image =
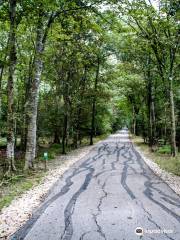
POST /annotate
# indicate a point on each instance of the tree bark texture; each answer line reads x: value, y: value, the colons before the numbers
x: 173, y: 121
x: 33, y: 98
x: 94, y: 103
x: 10, y: 85
x: 66, y: 112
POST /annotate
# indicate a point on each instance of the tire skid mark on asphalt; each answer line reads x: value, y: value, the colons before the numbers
x: 25, y: 229
x: 149, y: 217
x: 95, y: 216
x: 118, y: 151
x: 171, y: 202
x: 149, y: 188
x: 83, y: 235
x: 174, y: 201
x: 69, y: 210
x: 125, y: 171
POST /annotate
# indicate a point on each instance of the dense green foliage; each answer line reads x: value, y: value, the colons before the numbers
x: 75, y: 69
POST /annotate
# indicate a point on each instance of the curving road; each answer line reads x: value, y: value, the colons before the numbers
x: 107, y: 195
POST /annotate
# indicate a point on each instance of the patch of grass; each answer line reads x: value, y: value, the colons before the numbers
x: 162, y: 156
x: 17, y: 185
x: 5, y: 201
x: 166, y: 149
x: 170, y: 164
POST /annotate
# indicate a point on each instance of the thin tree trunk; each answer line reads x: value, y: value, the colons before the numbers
x: 64, y: 134
x: 94, y: 103
x: 77, y: 134
x: 150, y: 131
x: 171, y: 100
x: 134, y: 121
x: 28, y: 80
x: 66, y: 112
x: 153, y: 119
x: 56, y: 137
x: 33, y: 98
x: 151, y: 105
x: 173, y: 123
x: 151, y: 113
x: 1, y: 75
x: 2, y: 66
x: 10, y: 86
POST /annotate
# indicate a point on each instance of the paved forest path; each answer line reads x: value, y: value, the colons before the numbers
x: 107, y: 195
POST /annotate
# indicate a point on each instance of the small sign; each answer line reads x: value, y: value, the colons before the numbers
x: 45, y: 160
x: 45, y: 155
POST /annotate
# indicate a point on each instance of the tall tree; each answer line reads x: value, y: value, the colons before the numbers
x: 10, y: 85
x: 34, y: 93
x: 94, y: 101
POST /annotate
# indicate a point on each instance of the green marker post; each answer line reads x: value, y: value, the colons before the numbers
x: 45, y: 160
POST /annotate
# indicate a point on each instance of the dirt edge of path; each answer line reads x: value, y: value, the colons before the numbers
x: 170, y: 179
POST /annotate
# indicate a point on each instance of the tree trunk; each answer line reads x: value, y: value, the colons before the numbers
x: 2, y: 66
x: 134, y: 121
x: 165, y: 125
x: 1, y: 74
x: 33, y: 98
x: 64, y: 134
x: 153, y: 119
x: 94, y: 103
x: 66, y: 112
x: 77, y: 134
x: 10, y: 86
x: 173, y: 122
x: 151, y: 113
x: 150, y: 126
x: 28, y: 81
x: 56, y: 137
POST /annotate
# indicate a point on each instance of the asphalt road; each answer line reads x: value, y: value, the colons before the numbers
x: 107, y: 195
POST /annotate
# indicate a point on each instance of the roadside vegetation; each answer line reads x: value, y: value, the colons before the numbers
x: 161, y: 155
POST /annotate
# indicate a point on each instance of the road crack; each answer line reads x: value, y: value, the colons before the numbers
x: 69, y: 210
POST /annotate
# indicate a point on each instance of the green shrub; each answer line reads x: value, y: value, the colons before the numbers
x: 166, y: 149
